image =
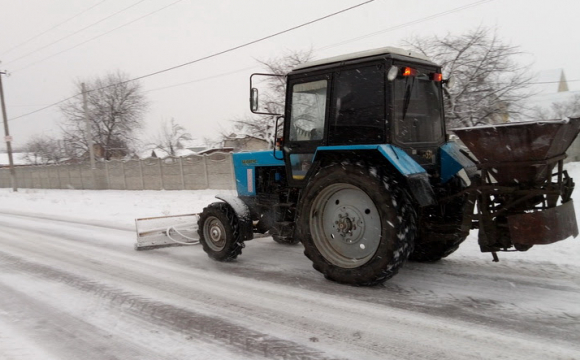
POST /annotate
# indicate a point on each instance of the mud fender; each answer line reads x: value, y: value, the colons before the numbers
x: 243, y: 213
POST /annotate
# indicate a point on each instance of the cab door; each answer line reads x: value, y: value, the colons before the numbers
x: 305, y: 125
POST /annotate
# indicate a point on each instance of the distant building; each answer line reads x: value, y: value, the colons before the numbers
x: 245, y: 143
x: 19, y: 159
x: 216, y: 150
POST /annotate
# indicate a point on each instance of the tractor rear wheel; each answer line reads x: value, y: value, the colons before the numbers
x: 219, y: 232
x: 357, y: 226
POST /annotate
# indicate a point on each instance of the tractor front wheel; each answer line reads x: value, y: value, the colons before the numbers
x: 357, y: 226
x: 219, y: 232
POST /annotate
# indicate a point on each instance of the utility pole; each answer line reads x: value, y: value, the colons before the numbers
x: 88, y: 128
x: 7, y: 137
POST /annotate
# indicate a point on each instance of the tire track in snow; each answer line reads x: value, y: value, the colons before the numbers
x: 480, y: 309
x: 188, y: 322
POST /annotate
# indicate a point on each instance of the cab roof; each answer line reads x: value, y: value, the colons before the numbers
x: 363, y: 54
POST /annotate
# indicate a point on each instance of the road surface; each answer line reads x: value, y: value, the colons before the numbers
x: 72, y: 290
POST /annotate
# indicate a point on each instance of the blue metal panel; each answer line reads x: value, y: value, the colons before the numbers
x: 417, y: 176
x: 396, y: 156
x: 245, y: 168
x: 452, y: 161
x: 401, y: 160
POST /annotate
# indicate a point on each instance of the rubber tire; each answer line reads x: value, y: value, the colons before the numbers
x: 394, y: 206
x: 285, y: 241
x: 437, y: 250
x: 233, y: 239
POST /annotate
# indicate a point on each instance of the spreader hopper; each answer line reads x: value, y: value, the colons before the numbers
x: 524, y: 194
x: 523, y: 152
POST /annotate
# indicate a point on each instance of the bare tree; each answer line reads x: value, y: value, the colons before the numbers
x: 171, y: 137
x: 559, y: 110
x: 273, y: 99
x: 115, y: 106
x: 43, y: 150
x: 489, y: 82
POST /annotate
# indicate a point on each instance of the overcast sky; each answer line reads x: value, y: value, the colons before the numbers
x: 140, y: 37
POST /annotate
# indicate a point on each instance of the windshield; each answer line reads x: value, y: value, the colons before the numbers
x: 417, y: 110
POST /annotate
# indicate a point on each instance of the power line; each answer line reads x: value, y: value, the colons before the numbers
x: 205, y: 57
x: 52, y: 28
x: 96, y: 37
x: 202, y: 79
x: 248, y: 43
x: 414, y: 22
x: 552, y: 82
x: 76, y: 32
x: 344, y: 42
x: 44, y: 108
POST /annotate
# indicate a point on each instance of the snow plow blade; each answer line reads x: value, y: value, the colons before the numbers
x: 166, y: 231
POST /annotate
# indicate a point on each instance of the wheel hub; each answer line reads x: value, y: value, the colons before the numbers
x: 349, y: 224
x: 215, y: 233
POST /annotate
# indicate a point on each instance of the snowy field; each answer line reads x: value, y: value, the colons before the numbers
x: 72, y: 287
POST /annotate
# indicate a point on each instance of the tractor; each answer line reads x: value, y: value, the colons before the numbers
x: 365, y: 176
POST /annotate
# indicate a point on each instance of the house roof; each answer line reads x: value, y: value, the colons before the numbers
x: 213, y: 150
x: 18, y: 159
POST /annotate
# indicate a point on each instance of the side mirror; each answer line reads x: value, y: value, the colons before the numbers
x: 254, y: 95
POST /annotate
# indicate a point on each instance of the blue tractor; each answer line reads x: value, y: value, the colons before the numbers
x: 365, y: 177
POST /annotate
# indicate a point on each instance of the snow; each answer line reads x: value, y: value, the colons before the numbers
x: 415, y: 315
x: 361, y: 54
x: 17, y: 158
x: 120, y: 208
x: 113, y: 207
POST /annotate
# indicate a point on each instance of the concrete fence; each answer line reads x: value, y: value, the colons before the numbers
x: 194, y: 172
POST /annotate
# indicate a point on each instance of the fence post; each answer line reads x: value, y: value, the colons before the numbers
x: 58, y: 176
x: 107, y: 175
x: 80, y: 171
x: 161, y: 174
x: 205, y: 172
x: 181, y: 172
x: 47, y: 178
x: 67, y: 181
x: 124, y: 175
x: 141, y: 174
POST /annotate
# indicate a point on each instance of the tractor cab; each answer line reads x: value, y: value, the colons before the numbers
x: 382, y: 96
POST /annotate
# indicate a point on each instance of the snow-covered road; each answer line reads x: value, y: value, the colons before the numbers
x: 73, y: 287
x: 72, y: 291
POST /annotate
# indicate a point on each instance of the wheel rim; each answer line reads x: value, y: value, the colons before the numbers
x: 345, y: 225
x: 214, y: 233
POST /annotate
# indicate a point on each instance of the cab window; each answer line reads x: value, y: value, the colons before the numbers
x: 308, y: 111
x: 359, y: 107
